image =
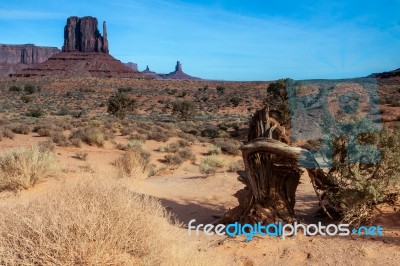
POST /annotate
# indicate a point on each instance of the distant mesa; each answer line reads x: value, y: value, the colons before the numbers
x: 177, y: 74
x: 394, y: 74
x: 85, y: 53
x: 132, y: 66
x: 14, y: 58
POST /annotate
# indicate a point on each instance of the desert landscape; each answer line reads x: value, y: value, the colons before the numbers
x: 103, y: 164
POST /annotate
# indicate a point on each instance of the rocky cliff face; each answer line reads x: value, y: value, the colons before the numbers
x: 16, y: 57
x: 82, y: 35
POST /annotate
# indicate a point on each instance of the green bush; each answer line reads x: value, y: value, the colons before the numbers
x: 26, y: 99
x: 121, y: 105
x: 36, y: 112
x: 235, y: 101
x: 30, y: 89
x: 277, y: 100
x: 15, y: 89
x: 183, y: 108
x: 220, y: 90
x: 353, y: 189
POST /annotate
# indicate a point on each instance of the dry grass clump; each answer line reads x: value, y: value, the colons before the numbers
x: 131, y: 145
x: 158, y: 136
x: 236, y: 166
x: 214, y: 150
x: 59, y: 139
x: 133, y: 163
x: 21, y: 129
x: 94, y: 223
x: 46, y: 146
x: 93, y: 135
x: 172, y: 147
x: 47, y: 129
x: 7, y: 133
x: 22, y: 168
x: 210, y: 164
x: 126, y: 130
x: 181, y: 153
x: 173, y: 159
x: 80, y: 155
x: 137, y: 136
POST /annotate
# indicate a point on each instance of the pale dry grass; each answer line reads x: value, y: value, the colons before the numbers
x: 94, y: 222
x: 22, y: 168
x: 134, y: 163
x: 210, y: 164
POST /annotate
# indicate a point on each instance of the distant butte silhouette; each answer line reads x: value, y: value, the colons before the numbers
x: 177, y: 74
x: 85, y: 53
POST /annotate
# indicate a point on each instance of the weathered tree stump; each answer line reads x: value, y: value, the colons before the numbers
x: 271, y: 174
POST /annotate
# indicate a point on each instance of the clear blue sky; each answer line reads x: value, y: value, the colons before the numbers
x: 227, y: 39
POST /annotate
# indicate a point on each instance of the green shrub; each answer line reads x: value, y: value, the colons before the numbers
x: 277, y: 100
x: 220, y: 90
x: 30, y: 89
x: 64, y: 110
x: 35, y: 112
x: 209, y: 133
x: 15, y: 89
x: 183, y: 108
x: 235, y: 101
x: 121, y: 105
x: 26, y: 99
x: 353, y: 189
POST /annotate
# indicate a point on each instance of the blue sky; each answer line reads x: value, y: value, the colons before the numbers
x: 227, y: 40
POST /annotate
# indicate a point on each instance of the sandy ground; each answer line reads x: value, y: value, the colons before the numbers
x: 189, y: 195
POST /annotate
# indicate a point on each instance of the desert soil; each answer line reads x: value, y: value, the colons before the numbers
x: 189, y: 195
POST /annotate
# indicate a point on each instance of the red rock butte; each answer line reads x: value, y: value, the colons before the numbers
x: 85, y: 53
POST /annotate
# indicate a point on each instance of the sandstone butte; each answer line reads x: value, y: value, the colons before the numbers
x: 85, y: 53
